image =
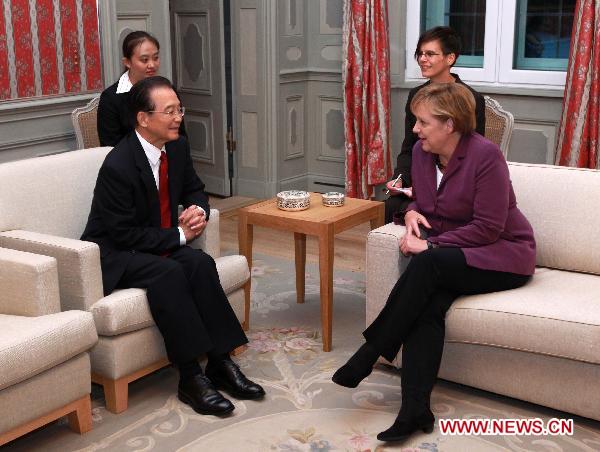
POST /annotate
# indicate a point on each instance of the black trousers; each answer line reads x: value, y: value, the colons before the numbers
x: 414, y: 315
x: 187, y: 302
x: 394, y: 204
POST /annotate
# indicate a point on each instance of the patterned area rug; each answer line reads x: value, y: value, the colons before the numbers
x: 303, y: 410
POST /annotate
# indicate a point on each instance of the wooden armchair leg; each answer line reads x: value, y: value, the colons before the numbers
x: 116, y: 393
x: 80, y: 420
x: 247, y: 288
x: 239, y: 350
x: 79, y: 414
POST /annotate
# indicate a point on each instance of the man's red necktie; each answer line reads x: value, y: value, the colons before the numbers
x: 163, y: 191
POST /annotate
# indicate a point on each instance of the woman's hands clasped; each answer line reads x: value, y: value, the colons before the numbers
x: 411, y: 242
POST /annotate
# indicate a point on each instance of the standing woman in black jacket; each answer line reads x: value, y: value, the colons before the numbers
x: 142, y: 60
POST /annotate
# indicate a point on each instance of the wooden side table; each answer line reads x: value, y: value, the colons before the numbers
x: 321, y: 221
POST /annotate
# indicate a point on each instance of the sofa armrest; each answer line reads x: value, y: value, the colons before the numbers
x: 210, y: 240
x: 79, y: 272
x: 385, y: 264
x: 28, y: 284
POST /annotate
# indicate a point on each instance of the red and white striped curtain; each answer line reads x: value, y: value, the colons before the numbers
x: 366, y: 81
x: 578, y: 141
x: 48, y: 47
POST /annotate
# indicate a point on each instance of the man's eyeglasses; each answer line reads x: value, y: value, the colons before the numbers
x: 427, y: 54
x: 170, y: 113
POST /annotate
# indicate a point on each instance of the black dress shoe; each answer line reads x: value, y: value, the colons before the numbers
x: 227, y: 375
x: 404, y: 426
x: 199, y: 393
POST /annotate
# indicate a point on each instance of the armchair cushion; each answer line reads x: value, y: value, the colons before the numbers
x: 28, y: 284
x: 31, y: 345
x: 79, y: 273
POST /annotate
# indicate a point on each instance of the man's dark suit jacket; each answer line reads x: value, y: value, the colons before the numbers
x: 125, y: 213
x: 114, y: 118
x: 404, y: 160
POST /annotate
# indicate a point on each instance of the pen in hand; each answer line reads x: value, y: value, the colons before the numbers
x: 387, y: 192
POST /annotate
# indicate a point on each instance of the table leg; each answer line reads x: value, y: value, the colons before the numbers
x: 326, y: 277
x: 300, y: 252
x: 380, y: 219
x: 245, y: 236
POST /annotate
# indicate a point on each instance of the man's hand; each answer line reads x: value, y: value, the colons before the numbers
x: 192, y: 221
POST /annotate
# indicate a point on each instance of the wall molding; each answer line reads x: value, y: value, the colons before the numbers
x: 49, y: 106
x: 17, y: 144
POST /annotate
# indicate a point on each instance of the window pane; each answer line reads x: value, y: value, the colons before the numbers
x: 467, y: 17
x: 543, y: 34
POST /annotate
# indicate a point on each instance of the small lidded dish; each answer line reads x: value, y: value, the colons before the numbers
x: 293, y: 200
x: 333, y: 199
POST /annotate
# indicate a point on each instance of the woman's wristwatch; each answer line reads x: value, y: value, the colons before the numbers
x: 431, y: 245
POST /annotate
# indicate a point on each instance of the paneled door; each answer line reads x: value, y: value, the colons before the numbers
x: 199, y: 75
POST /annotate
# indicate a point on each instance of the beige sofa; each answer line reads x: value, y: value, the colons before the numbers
x: 41, y: 348
x: 541, y: 342
x: 44, y: 204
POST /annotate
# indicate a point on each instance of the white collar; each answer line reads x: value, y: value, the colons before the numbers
x: 152, y: 152
x: 124, y: 85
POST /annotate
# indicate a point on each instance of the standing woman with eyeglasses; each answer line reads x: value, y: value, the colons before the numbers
x: 141, y: 59
x: 437, y: 51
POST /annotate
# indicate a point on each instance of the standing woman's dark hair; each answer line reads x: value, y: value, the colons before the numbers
x: 134, y: 39
x: 142, y: 60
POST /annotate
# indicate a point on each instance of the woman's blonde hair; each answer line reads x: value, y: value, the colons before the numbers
x: 448, y: 101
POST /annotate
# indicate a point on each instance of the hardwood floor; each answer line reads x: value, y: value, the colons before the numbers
x: 349, y: 248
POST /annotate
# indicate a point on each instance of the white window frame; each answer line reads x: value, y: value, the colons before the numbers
x: 498, y: 51
x: 506, y: 73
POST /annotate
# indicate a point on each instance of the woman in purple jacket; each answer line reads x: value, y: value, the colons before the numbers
x: 477, y: 242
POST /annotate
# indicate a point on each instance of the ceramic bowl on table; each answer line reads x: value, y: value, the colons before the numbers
x: 333, y: 199
x: 293, y: 200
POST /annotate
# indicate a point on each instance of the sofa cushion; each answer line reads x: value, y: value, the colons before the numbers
x: 31, y: 345
x: 557, y: 313
x: 556, y: 201
x: 127, y: 310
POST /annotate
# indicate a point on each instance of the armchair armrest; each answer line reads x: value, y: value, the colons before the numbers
x: 79, y: 272
x: 210, y: 240
x: 28, y: 284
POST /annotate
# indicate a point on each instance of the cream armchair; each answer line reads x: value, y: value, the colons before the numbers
x: 44, y: 203
x: 41, y: 348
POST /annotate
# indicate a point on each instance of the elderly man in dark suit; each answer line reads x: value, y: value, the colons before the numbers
x: 143, y: 244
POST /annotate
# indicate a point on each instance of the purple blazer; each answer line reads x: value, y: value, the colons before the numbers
x: 475, y: 208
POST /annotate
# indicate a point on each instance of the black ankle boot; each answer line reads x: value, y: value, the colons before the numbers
x: 406, y: 424
x: 358, y: 367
